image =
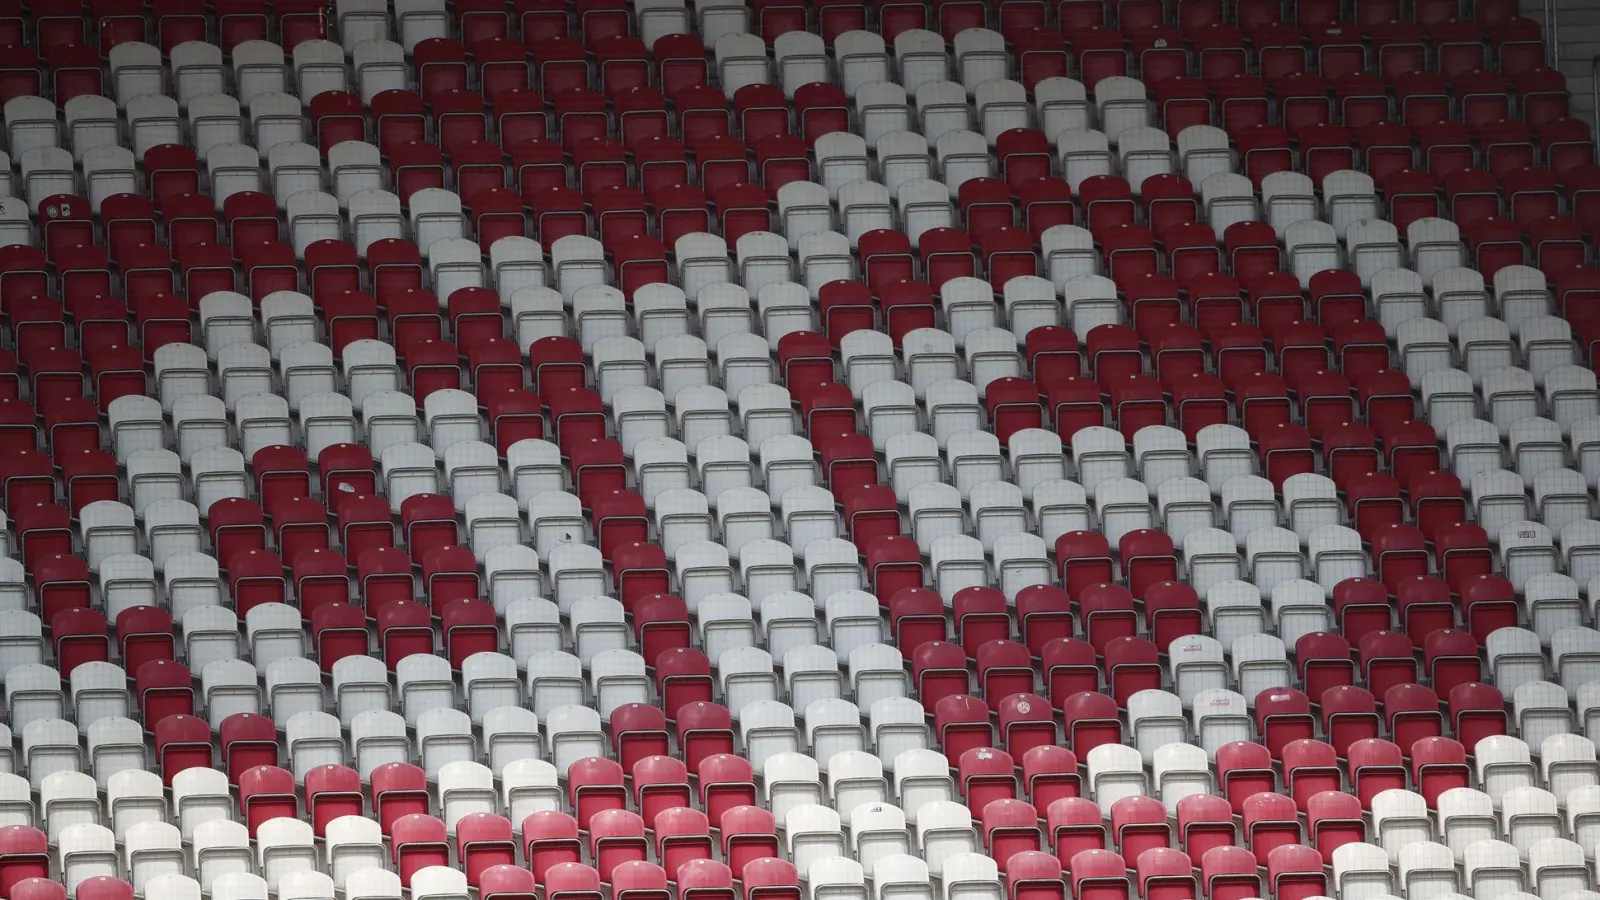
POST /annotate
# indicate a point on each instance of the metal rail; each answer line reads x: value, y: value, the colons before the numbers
x: 1552, y: 34
x: 1594, y: 91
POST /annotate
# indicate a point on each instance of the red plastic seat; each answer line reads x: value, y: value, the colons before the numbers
x: 704, y: 729
x: 1070, y: 668
x: 1270, y: 821
x: 1050, y: 773
x: 748, y: 834
x: 25, y: 859
x: 181, y: 742
x: 1099, y: 875
x: 660, y: 783
x: 1091, y: 721
x: 962, y: 723
x: 237, y: 525
x: 1004, y: 669
x: 1439, y: 764
x: 1376, y: 766
x: 1283, y: 715
x: 986, y: 776
x: 144, y: 634
x: 594, y: 785
x: 1244, y: 769
x: 1311, y: 767
x: 1241, y: 99
x: 1349, y: 715
x: 1477, y: 711
x: 571, y: 881
x: 550, y: 838
x: 1230, y: 872
x: 1074, y: 825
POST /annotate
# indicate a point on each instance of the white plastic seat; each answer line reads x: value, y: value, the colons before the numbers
x: 1288, y: 197
x: 127, y: 580
x: 1001, y: 104
x: 803, y: 208
x: 801, y: 59
x: 1069, y: 252
x: 1121, y: 103
x: 725, y: 623
x: 1560, y: 496
x: 318, y: 66
x: 1335, y: 554
x: 1116, y: 771
x: 958, y: 562
x: 155, y: 855
x: 1061, y: 104
x: 1529, y: 815
x: 1459, y: 294
x: 31, y: 122
x: 1211, y: 557
x: 1466, y: 816
x: 423, y: 683
x: 1546, y: 343
x: 741, y: 60
x: 1203, y: 151
x: 464, y: 788
x: 200, y: 422
x: 234, y: 168
x: 1527, y: 549
x: 1400, y: 822
x: 117, y: 757
x: 1300, y: 607
x: 1155, y: 719
x: 1185, y: 505
x: 1522, y: 293
x: 783, y: 306
x: 575, y: 571
x: 1579, y: 543
x: 1312, y: 247
x: 1567, y: 763
x: 407, y: 469
x: 1448, y: 396
x: 1123, y: 505
x: 273, y: 633
x: 1536, y: 447
x: 1494, y: 867
x: 1424, y: 346
x: 108, y: 171
x: 962, y: 155
x: 49, y: 745
x: 1273, y: 555
x: 924, y: 204
x: 1514, y: 657
x: 230, y: 687
x: 1312, y: 501
x: 1557, y: 868
x: 181, y: 370
x: 1374, y: 245
x: 814, y: 836
x: 1398, y: 296
x: 768, y: 729
x: 313, y: 738
x: 1350, y: 197
x: 1226, y: 196
x: 1571, y: 395
x: 1235, y: 611
x: 1435, y: 245
x: 99, y: 691
x: 1541, y: 711
x: 1084, y: 153
x: 378, y: 736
